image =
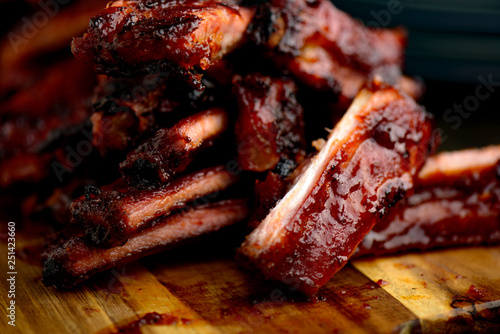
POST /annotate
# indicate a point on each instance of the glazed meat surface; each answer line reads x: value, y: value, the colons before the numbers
x: 169, y: 151
x: 270, y: 125
x: 327, y: 49
x: 135, y: 37
x: 115, y: 213
x: 456, y: 203
x: 366, y: 166
x: 68, y: 261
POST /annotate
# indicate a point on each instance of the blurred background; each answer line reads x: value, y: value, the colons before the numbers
x: 454, y: 45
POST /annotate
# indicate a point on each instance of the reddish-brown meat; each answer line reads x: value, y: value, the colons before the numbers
x: 132, y: 37
x: 50, y: 90
x: 456, y: 203
x: 171, y: 150
x: 124, y: 111
x: 113, y: 214
x: 55, y: 207
x: 53, y: 99
x: 44, y: 92
x: 267, y: 193
x: 366, y: 166
x: 68, y: 261
x: 271, y: 190
x: 270, y: 125
x: 325, y: 48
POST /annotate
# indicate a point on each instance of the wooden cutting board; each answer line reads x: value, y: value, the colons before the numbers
x: 193, y: 290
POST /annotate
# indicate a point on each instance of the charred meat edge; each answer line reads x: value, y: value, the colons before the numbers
x: 171, y: 150
x: 179, y: 36
x: 69, y: 261
x: 111, y: 216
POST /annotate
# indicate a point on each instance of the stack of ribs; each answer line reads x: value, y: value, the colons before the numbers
x: 194, y: 100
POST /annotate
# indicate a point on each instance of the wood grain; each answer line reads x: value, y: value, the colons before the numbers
x: 450, y: 290
x: 205, y: 292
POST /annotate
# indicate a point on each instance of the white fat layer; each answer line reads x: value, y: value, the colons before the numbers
x: 456, y: 163
x: 272, y: 227
x: 205, y: 127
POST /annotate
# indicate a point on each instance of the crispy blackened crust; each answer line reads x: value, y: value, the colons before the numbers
x: 69, y: 260
x: 115, y: 213
x: 328, y: 50
x: 170, y: 150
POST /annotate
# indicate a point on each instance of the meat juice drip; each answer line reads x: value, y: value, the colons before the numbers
x: 382, y: 282
x: 476, y: 293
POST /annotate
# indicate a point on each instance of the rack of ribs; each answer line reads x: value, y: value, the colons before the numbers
x: 456, y: 203
x: 69, y: 260
x: 136, y: 37
x: 366, y: 166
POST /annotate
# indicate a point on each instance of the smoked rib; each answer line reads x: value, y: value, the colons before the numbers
x: 366, y: 167
x: 170, y: 150
x: 270, y: 125
x: 113, y: 214
x: 327, y: 49
x: 456, y: 203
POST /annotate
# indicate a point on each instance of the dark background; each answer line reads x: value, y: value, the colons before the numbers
x: 451, y: 44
